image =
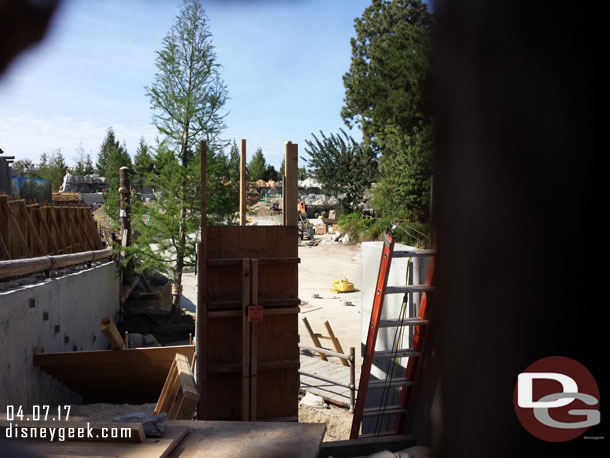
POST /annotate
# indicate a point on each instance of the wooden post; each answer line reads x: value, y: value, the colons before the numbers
x: 335, y: 341
x: 290, y: 184
x: 111, y: 333
x: 245, y: 349
x: 242, y: 184
x: 314, y: 338
x: 202, y: 306
x: 124, y: 205
x: 253, y: 341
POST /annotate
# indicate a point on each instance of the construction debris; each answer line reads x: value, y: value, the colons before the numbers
x: 313, y: 400
x: 154, y: 426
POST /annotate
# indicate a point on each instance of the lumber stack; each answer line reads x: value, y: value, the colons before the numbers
x: 180, y: 395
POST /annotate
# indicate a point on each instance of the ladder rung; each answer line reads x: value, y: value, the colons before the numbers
x: 375, y: 411
x: 394, y: 382
x: 413, y: 253
x: 409, y: 289
x: 398, y: 353
x: 405, y: 322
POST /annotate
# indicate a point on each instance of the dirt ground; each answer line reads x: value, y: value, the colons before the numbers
x: 338, y: 420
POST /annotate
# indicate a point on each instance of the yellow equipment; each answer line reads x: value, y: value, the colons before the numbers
x: 342, y: 286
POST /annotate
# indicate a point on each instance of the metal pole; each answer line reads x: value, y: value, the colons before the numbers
x: 352, y: 378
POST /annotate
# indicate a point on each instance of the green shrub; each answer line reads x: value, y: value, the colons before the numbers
x: 362, y: 229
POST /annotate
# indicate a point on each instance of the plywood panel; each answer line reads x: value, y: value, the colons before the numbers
x: 113, y: 375
x: 277, y: 335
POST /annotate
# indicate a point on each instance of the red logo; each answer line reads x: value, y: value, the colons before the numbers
x: 556, y: 399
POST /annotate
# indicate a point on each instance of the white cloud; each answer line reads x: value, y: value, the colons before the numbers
x: 28, y: 136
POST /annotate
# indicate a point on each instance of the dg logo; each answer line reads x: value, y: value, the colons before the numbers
x: 556, y: 399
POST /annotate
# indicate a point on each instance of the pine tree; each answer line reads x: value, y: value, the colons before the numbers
x: 187, y: 98
x: 257, y: 166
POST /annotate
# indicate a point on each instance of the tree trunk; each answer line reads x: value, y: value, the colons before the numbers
x: 177, y: 286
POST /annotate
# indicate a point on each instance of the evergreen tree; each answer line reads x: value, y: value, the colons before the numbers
x: 51, y: 167
x: 234, y: 162
x: 84, y: 165
x: 143, y: 162
x: 257, y: 166
x: 187, y: 98
x: 387, y: 91
x: 344, y: 168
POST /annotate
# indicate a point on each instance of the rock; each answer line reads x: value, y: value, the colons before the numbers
x: 154, y: 426
x: 345, y: 238
x: 313, y: 400
x: 149, y: 340
x: 135, y: 340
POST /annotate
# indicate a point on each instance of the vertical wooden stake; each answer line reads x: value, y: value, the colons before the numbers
x: 291, y: 184
x: 253, y: 342
x: 124, y: 204
x: 202, y: 306
x: 242, y: 184
x: 245, y: 351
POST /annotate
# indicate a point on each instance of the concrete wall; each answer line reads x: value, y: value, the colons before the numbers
x: 387, y: 338
x: 60, y: 314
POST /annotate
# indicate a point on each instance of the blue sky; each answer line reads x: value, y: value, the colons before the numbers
x: 282, y: 60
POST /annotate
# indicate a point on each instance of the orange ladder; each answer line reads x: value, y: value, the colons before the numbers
x: 413, y: 353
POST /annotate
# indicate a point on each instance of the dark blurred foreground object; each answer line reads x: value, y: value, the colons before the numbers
x: 522, y: 231
x: 22, y: 24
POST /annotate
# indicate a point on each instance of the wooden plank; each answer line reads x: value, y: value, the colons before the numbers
x: 169, y: 391
x: 111, y: 333
x: 99, y: 375
x: 245, y: 352
x: 156, y: 447
x: 290, y: 184
x: 314, y: 338
x: 335, y: 342
x: 18, y: 246
x: 236, y: 439
x: 36, y: 245
x: 135, y: 434
x: 188, y: 390
x: 253, y: 342
x: 242, y: 184
x: 365, y: 446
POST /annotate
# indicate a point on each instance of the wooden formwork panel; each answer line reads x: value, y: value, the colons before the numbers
x: 276, y: 338
x: 135, y: 374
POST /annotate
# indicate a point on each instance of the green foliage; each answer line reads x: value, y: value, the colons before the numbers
x: 387, y: 92
x: 187, y: 98
x: 188, y: 95
x: 233, y: 163
x: 257, y: 166
x: 22, y: 167
x: 404, y: 187
x: 51, y: 167
x: 84, y: 164
x: 112, y: 156
x: 344, y: 168
x: 143, y: 162
x: 362, y: 229
x: 271, y: 173
x: 302, y: 173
